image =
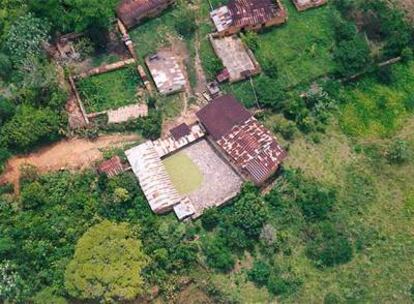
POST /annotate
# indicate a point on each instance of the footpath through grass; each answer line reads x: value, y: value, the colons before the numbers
x: 109, y: 90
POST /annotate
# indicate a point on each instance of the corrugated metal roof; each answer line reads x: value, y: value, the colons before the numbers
x: 221, y: 115
x: 253, y: 149
x: 252, y: 12
x: 132, y: 11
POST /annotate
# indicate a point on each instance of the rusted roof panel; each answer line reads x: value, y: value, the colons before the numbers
x: 111, y: 167
x: 253, y: 12
x: 221, y: 115
x: 132, y: 11
x: 180, y: 131
x: 253, y: 149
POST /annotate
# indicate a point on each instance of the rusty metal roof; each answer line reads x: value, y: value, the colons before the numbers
x: 221, y: 115
x: 132, y: 11
x: 111, y: 167
x: 252, y: 12
x: 180, y: 131
x: 253, y: 149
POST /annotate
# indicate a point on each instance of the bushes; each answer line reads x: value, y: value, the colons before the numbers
x: 259, y: 274
x: 399, y: 152
x: 151, y: 126
x: 218, y: 255
x: 352, y: 56
x: 186, y: 23
x: 30, y: 127
x: 270, y: 93
x: 278, y: 281
x: 210, y: 218
x: 330, y: 247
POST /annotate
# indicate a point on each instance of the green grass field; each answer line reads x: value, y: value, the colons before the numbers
x: 301, y: 47
x: 110, y: 90
x: 184, y: 174
x: 374, y: 109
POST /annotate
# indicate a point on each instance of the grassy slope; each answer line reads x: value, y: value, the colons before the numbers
x: 382, y: 269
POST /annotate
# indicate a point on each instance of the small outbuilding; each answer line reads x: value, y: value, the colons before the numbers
x: 237, y: 59
x: 111, y: 167
x: 168, y: 71
x: 252, y: 15
x: 241, y: 139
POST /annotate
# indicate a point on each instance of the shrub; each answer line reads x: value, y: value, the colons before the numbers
x: 33, y: 196
x: 270, y: 92
x: 210, y: 218
x: 399, y: 152
x: 352, y: 56
x: 269, y: 66
x: 329, y: 248
x: 185, y: 22
x: 331, y: 298
x: 151, y: 126
x: 276, y: 285
x: 218, y: 255
x: 250, y: 214
x: 286, y: 128
x: 30, y: 127
x: 259, y: 274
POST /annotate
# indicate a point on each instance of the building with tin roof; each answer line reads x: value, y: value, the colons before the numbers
x: 133, y: 12
x: 240, y: 15
x: 246, y: 144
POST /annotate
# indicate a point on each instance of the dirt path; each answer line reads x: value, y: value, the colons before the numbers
x: 201, y: 78
x: 72, y: 154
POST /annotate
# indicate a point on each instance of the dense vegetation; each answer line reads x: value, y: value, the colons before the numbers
x: 334, y: 227
x: 110, y: 90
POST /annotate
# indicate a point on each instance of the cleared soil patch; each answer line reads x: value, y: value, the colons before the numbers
x: 72, y: 154
x: 184, y: 174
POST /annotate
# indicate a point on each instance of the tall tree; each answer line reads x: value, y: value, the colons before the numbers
x: 107, y: 264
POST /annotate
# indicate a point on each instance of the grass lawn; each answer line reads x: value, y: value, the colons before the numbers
x: 301, y: 47
x: 374, y: 109
x: 154, y: 33
x: 184, y: 174
x: 109, y: 90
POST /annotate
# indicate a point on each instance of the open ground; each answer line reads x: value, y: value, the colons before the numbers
x: 70, y: 154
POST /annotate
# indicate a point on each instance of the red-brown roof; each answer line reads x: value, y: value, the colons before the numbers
x: 131, y: 12
x: 253, y: 12
x: 180, y: 131
x: 246, y: 142
x: 111, y: 167
x: 221, y: 115
x: 252, y: 148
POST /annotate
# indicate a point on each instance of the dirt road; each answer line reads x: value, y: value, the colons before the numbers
x: 72, y: 154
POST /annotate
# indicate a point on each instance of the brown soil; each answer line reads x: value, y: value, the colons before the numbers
x: 71, y: 154
x: 408, y: 7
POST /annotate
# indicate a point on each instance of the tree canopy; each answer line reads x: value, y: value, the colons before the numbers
x: 107, y: 264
